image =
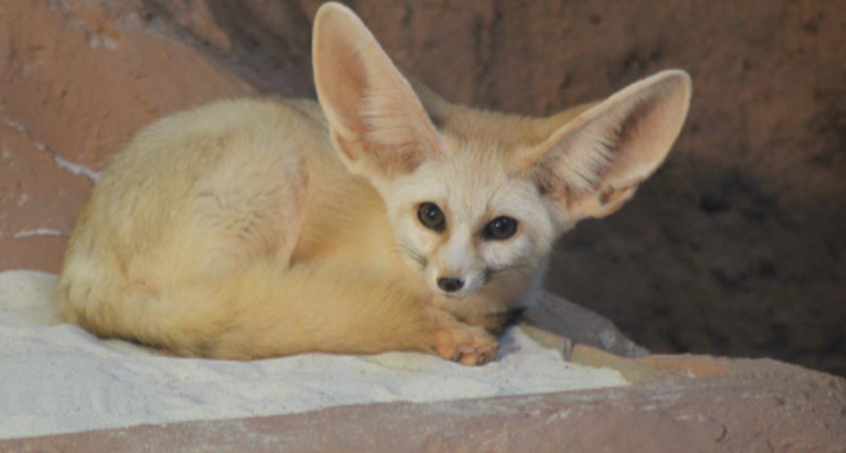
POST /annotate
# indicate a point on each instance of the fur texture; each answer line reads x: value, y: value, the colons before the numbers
x: 258, y: 228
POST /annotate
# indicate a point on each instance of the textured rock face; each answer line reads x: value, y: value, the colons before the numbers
x: 76, y: 79
x: 737, y: 405
x: 735, y: 247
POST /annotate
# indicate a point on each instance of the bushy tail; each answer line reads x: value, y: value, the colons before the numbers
x: 263, y: 310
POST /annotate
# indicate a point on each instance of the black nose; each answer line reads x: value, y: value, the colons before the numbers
x: 450, y: 285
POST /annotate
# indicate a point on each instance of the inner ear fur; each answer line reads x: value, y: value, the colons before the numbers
x: 377, y: 122
x: 595, y: 162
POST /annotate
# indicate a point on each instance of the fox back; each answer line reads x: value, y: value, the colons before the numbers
x: 381, y: 218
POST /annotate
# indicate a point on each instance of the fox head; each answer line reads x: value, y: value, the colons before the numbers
x: 475, y: 196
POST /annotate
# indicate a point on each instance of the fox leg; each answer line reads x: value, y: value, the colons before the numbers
x: 496, y: 323
x: 246, y: 210
x: 460, y: 342
x: 246, y: 205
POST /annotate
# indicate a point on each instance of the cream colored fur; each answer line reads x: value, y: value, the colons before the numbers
x: 256, y: 228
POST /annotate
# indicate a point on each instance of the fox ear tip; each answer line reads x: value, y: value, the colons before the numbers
x: 675, y: 73
x: 329, y: 7
x: 333, y: 11
x: 677, y: 78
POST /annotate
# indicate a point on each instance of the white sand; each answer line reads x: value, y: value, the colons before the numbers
x: 57, y: 378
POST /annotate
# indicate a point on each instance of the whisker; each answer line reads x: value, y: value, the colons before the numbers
x: 491, y: 274
x: 416, y: 256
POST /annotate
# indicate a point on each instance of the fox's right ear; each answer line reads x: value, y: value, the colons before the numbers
x: 377, y: 122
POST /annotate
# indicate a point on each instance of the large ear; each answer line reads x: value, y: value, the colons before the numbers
x: 377, y: 122
x: 437, y: 107
x: 594, y: 163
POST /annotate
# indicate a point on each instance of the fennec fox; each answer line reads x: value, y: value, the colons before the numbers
x: 381, y: 218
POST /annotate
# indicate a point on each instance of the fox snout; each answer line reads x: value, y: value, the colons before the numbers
x: 450, y: 284
x: 452, y: 267
x: 455, y: 271
x: 454, y: 285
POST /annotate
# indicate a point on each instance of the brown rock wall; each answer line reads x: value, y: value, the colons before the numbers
x: 77, y: 78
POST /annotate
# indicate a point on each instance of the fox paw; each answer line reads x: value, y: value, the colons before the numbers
x: 466, y: 345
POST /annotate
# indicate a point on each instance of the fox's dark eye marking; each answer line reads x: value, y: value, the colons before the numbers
x: 431, y: 217
x: 500, y: 229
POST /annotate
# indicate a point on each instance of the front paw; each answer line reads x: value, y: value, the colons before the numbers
x: 466, y: 345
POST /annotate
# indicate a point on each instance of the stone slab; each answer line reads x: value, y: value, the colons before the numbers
x: 754, y: 405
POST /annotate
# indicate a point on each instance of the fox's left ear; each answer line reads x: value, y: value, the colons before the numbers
x: 595, y: 162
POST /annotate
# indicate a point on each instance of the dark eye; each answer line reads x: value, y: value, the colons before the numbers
x: 500, y: 229
x: 431, y: 217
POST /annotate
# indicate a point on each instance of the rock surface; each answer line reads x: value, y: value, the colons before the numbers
x: 735, y: 247
x: 740, y: 406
